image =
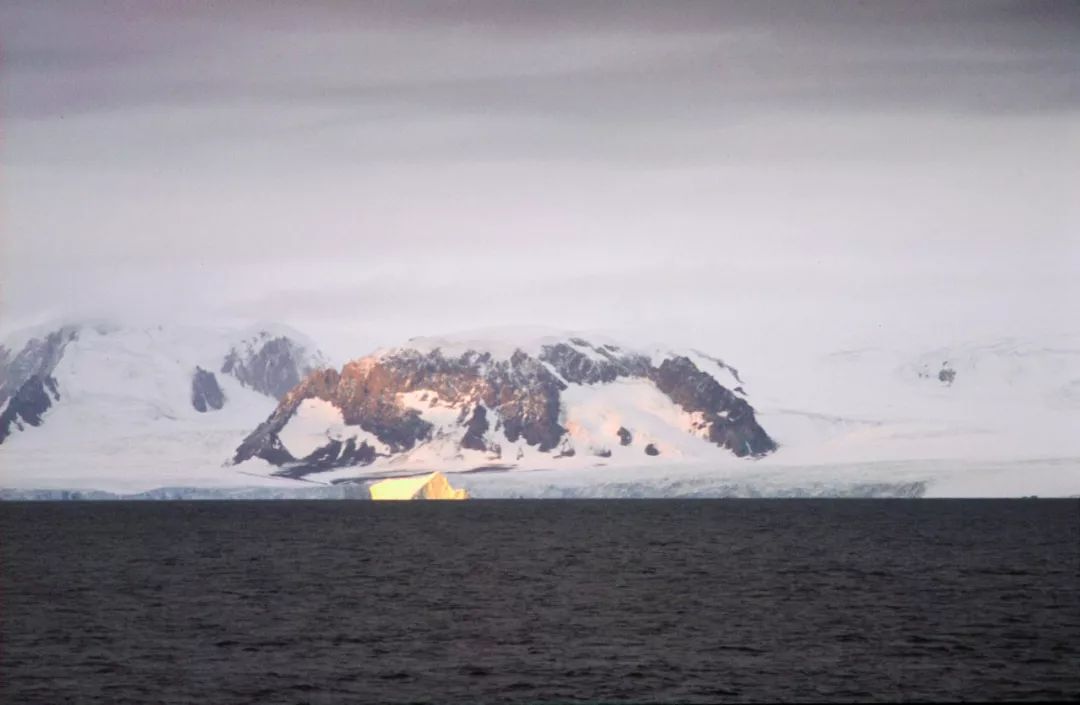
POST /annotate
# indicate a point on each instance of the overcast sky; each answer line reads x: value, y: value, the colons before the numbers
x: 731, y: 175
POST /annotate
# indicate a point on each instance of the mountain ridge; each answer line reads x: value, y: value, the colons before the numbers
x: 116, y: 407
x: 127, y: 402
x: 453, y: 396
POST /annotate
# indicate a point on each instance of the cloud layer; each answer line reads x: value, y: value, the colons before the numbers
x: 384, y: 169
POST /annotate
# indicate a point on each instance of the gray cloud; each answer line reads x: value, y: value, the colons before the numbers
x: 615, y: 59
x: 586, y: 164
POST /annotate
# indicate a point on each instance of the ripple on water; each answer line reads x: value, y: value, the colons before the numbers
x: 677, y: 601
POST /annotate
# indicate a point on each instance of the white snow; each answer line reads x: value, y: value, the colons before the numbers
x: 315, y: 423
x: 441, y: 415
x: 720, y: 371
x: 125, y: 421
x: 502, y: 343
x: 250, y: 337
x: 1010, y: 401
x: 1008, y: 425
x: 593, y: 414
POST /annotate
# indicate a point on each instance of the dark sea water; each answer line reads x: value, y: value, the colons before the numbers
x: 539, y: 601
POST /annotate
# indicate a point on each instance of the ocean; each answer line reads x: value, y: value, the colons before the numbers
x: 539, y: 601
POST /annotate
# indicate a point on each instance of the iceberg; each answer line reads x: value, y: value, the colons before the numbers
x: 431, y: 486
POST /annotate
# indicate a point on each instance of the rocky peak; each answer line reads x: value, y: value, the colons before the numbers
x: 271, y: 364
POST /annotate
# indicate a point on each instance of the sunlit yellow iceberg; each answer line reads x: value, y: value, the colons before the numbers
x: 433, y: 486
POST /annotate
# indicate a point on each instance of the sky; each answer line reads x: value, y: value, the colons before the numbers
x: 739, y: 176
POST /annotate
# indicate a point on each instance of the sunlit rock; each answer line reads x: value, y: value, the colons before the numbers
x: 460, y: 403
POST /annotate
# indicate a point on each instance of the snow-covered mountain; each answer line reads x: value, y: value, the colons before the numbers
x: 1002, y: 421
x: 256, y: 411
x: 103, y: 405
x: 997, y: 400
x: 548, y: 402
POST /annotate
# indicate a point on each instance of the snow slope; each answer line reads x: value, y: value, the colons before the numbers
x: 316, y: 422
x: 1006, y: 400
x: 125, y: 420
x: 1002, y: 421
x: 539, y: 402
x: 592, y: 416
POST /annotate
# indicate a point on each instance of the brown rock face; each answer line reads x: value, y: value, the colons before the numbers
x: 522, y: 391
x: 475, y: 430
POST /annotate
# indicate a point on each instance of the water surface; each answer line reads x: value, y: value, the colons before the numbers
x: 524, y: 601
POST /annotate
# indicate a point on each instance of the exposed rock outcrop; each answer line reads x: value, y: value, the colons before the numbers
x: 206, y: 394
x: 270, y: 364
x: 728, y: 419
x: 28, y: 405
x: 37, y: 358
x: 154, y: 371
x: 515, y: 398
x: 475, y: 429
x: 335, y: 454
x: 946, y: 374
x: 578, y: 362
x: 27, y: 387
